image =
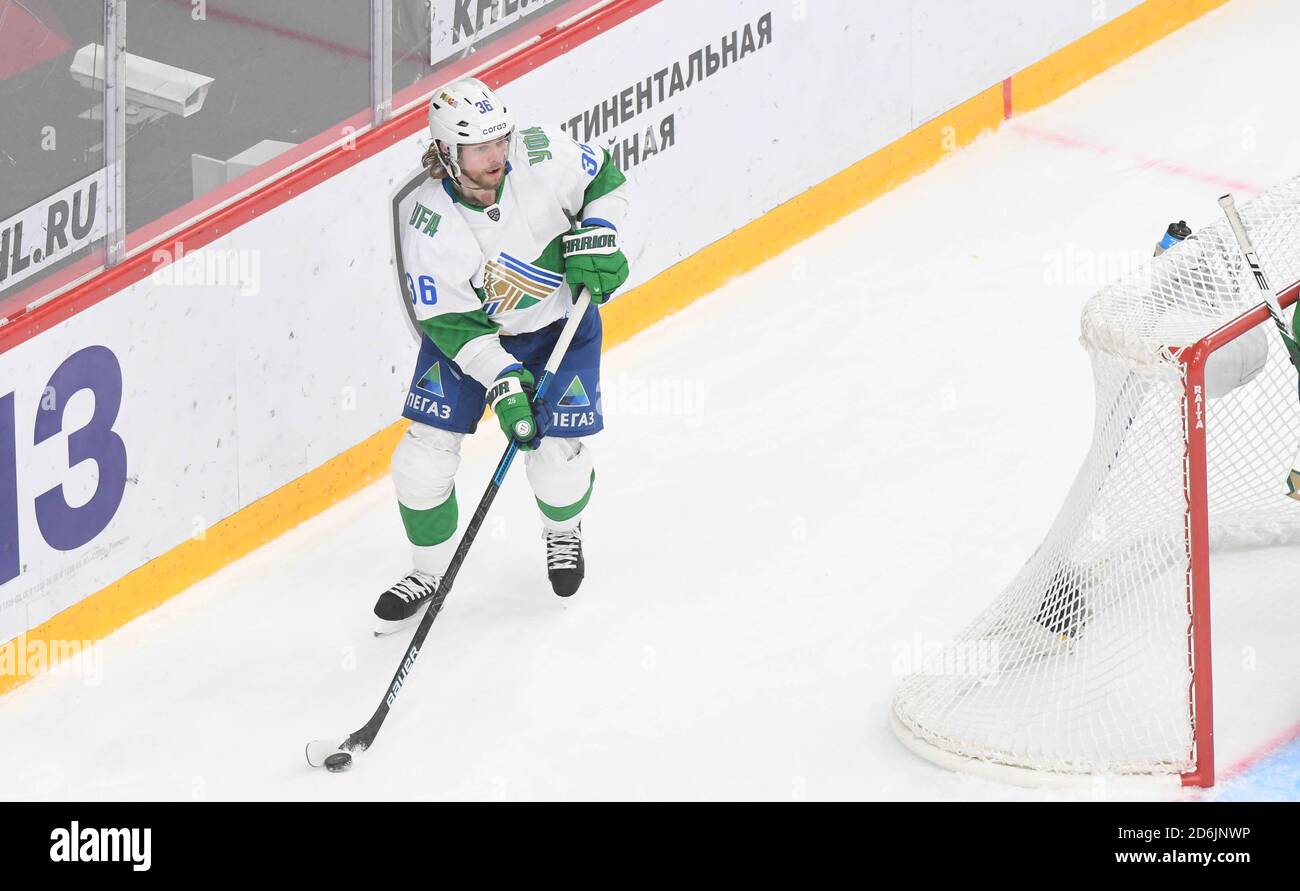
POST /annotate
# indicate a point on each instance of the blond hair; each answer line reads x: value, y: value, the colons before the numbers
x: 433, y: 163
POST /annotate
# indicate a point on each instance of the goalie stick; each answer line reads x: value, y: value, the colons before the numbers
x: 1274, y: 309
x: 1229, y: 205
x: 335, y: 753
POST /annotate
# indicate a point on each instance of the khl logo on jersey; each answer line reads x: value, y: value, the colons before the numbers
x: 510, y: 283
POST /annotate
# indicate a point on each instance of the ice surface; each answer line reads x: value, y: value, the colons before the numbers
x: 807, y: 477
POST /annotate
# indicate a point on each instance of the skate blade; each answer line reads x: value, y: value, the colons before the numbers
x: 386, y: 627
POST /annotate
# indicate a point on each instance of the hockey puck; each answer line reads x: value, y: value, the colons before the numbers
x: 338, y: 762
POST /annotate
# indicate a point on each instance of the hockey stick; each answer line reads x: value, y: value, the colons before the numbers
x: 1274, y: 310
x: 1229, y: 206
x: 335, y: 753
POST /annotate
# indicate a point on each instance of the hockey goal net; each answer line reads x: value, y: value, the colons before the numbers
x: 1095, y: 660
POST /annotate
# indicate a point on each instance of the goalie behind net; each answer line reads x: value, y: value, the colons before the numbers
x: 1090, y: 663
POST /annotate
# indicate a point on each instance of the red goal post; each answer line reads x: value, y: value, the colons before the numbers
x: 1200, y: 661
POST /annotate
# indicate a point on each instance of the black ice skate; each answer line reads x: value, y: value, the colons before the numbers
x: 403, y: 604
x: 564, y: 564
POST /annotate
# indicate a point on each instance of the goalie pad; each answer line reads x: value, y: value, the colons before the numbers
x: 1236, y: 363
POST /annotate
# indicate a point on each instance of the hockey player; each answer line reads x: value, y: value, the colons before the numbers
x: 510, y: 225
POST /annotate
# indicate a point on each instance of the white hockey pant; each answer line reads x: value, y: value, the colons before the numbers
x: 425, y: 461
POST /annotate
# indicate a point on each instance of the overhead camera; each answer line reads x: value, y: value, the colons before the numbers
x: 165, y: 89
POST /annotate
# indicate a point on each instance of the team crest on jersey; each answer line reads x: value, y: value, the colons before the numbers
x: 431, y: 380
x: 576, y: 395
x: 510, y: 284
x: 494, y: 213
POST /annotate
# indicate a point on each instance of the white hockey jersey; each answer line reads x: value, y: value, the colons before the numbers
x: 473, y: 272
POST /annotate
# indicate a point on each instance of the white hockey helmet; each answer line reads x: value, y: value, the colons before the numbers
x: 465, y: 112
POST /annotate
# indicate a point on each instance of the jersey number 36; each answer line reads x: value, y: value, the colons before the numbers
x: 588, y: 160
x: 427, y: 293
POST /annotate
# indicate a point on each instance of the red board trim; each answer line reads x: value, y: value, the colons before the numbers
x: 551, y: 44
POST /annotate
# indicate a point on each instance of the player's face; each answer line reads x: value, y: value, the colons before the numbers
x: 482, y: 166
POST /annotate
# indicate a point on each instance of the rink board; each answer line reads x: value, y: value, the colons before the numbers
x: 235, y: 389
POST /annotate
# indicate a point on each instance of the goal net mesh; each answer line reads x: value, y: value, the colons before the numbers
x: 1081, y: 665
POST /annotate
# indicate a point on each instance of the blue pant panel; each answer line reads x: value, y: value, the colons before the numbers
x: 443, y: 396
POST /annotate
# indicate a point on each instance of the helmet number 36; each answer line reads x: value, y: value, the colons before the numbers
x: 483, y: 106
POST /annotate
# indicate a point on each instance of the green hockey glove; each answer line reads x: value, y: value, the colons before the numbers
x: 593, y: 260
x: 511, y: 399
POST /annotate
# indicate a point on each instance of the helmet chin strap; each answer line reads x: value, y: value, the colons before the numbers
x: 450, y: 163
